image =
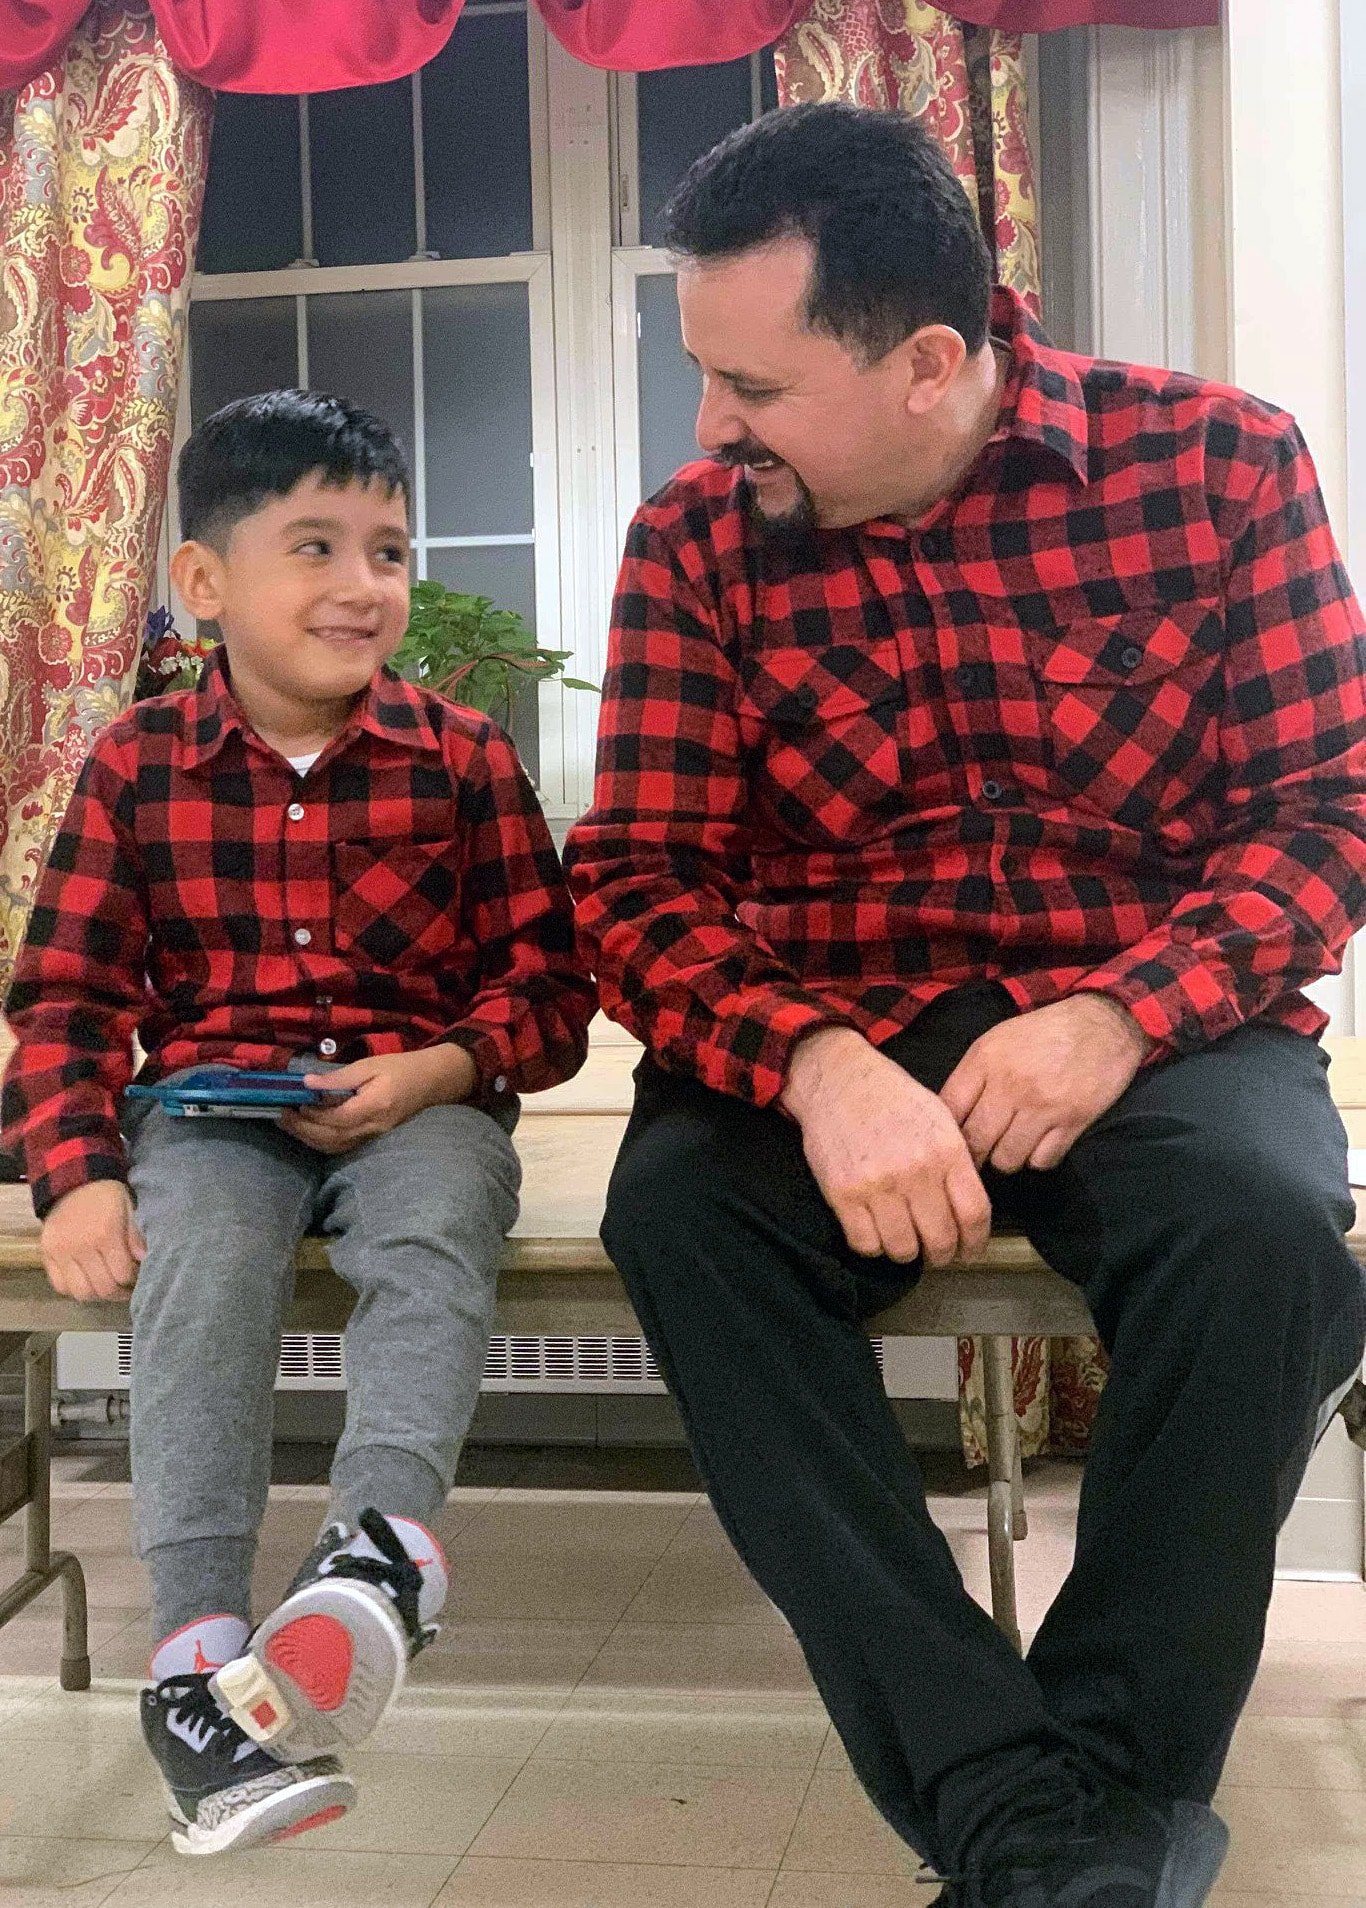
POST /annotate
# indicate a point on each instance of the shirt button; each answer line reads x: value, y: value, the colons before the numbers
x: 324, y: 1000
x: 1130, y: 658
x: 937, y: 545
x: 500, y: 1085
x: 296, y: 811
x: 992, y: 791
x: 327, y: 1048
x: 302, y: 936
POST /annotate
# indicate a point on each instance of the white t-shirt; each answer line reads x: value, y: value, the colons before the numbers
x: 301, y: 764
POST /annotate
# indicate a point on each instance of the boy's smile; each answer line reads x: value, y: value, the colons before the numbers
x: 311, y: 593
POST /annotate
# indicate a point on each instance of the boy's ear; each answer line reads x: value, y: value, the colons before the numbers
x: 198, y: 575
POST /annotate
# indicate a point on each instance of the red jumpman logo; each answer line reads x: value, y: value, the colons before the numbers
x: 202, y: 1665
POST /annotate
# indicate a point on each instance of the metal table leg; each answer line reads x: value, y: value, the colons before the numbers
x: 28, y: 1477
x: 1002, y: 1464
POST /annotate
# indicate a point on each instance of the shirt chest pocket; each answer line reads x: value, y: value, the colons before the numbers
x: 823, y: 736
x: 397, y: 904
x: 1129, y: 707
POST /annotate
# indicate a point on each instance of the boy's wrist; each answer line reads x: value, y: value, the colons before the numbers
x: 453, y: 1073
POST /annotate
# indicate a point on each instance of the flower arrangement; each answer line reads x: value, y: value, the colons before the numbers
x: 170, y: 660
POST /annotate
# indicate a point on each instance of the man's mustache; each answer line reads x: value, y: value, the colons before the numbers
x: 748, y: 451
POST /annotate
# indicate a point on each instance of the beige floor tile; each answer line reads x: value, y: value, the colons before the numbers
x: 577, y: 1521
x: 18, y: 1692
x: 435, y: 1721
x: 418, y: 1805
x: 479, y: 1883
x: 93, y: 1783
x: 575, y: 1556
x: 534, y: 1659
x: 38, y: 1872
x: 31, y: 1643
x: 290, y: 1877
x: 1299, y: 1678
x: 701, y: 1584
x: 694, y: 1815
x: 699, y: 1656
x: 1295, y: 1842
x: 846, y: 1891
x: 64, y: 1715
x: 1299, y: 1752
x: 839, y: 1829
x: 1317, y: 1613
x: 750, y: 1732
x: 1240, y: 1898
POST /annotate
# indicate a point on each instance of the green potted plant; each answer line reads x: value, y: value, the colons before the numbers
x: 463, y: 647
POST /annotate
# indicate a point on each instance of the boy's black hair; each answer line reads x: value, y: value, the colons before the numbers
x: 896, y: 242
x: 259, y: 447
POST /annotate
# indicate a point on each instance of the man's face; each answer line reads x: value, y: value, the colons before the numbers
x: 313, y: 589
x: 823, y: 439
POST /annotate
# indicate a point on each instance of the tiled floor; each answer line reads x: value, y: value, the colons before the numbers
x: 614, y: 1717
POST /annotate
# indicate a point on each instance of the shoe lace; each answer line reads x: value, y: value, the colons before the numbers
x: 394, y: 1572
x: 189, y: 1699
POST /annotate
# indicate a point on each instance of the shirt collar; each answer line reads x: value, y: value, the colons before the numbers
x: 1043, y: 401
x: 391, y: 709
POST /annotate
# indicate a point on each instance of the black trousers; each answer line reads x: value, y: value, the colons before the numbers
x: 1203, y: 1217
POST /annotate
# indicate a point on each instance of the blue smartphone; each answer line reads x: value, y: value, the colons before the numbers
x: 230, y: 1093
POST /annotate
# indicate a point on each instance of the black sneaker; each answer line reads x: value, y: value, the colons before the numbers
x: 224, y: 1792
x: 321, y: 1670
x: 1112, y: 1850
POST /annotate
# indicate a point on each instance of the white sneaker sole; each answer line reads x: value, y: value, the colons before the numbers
x: 309, y: 1803
x: 320, y: 1671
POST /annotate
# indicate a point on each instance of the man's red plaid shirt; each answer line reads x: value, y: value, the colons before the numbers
x: 406, y: 892
x: 1094, y: 723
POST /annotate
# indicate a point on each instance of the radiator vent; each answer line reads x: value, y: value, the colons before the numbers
x: 313, y: 1361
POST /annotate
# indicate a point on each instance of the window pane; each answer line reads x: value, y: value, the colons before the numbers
x: 252, y: 220
x: 682, y: 112
x: 477, y: 345
x: 476, y: 140
x: 361, y: 146
x: 669, y: 390
x: 239, y: 346
x: 360, y: 346
x: 506, y: 574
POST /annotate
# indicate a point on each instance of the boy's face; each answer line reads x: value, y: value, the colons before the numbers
x: 311, y: 592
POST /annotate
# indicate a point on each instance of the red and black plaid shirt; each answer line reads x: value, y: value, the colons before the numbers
x: 406, y: 892
x: 1095, y: 722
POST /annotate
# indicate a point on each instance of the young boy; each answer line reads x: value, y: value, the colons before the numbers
x: 304, y: 864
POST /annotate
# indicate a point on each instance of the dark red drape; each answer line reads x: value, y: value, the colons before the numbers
x: 314, y: 46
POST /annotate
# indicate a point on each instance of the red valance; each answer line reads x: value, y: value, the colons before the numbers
x: 315, y: 46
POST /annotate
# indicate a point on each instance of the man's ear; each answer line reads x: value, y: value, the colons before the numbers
x: 197, y: 572
x: 931, y: 358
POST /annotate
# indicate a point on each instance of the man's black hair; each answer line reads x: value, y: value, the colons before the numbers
x: 896, y: 242
x: 259, y: 447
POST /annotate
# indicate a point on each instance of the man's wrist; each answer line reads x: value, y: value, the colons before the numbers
x: 809, y: 1063
x: 1120, y: 1016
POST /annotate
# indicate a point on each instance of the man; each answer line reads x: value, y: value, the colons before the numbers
x: 981, y: 779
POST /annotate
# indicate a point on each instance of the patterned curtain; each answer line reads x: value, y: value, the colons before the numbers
x: 102, y: 164
x: 967, y: 83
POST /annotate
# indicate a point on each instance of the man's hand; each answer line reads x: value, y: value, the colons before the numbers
x: 893, y: 1167
x: 90, y: 1242
x: 388, y: 1090
x: 1027, y: 1090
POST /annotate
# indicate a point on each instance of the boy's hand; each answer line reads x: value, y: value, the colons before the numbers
x: 387, y: 1090
x: 90, y: 1242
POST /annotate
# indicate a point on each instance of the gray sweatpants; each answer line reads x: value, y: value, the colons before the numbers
x: 415, y: 1219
